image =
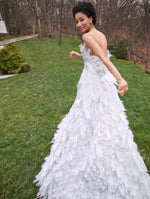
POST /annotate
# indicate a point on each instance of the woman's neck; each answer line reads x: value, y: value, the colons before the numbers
x: 92, y: 27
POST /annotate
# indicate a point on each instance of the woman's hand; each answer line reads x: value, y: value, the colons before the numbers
x: 123, y: 86
x: 75, y: 54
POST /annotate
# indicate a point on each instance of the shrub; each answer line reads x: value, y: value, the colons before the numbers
x: 123, y: 49
x: 113, y: 43
x: 12, y: 60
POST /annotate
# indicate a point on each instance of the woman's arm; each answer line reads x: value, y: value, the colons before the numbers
x: 98, y: 51
x: 75, y: 54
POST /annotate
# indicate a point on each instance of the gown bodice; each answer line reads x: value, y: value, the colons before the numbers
x: 92, y: 63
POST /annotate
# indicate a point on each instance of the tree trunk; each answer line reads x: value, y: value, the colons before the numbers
x: 49, y: 26
x: 39, y: 27
x: 147, y: 66
x: 60, y: 31
x: 38, y: 19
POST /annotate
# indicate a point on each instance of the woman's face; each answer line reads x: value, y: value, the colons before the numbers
x: 83, y: 23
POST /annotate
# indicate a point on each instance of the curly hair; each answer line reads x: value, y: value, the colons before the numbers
x: 86, y: 8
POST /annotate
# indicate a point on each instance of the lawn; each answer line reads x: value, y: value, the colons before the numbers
x: 32, y: 105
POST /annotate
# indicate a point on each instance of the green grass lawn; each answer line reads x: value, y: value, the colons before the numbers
x: 32, y: 105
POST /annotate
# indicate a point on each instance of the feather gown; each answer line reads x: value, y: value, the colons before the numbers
x: 93, y: 155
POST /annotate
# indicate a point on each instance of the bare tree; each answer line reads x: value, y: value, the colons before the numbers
x: 35, y: 8
x: 49, y: 5
x: 144, y: 28
x: 61, y: 21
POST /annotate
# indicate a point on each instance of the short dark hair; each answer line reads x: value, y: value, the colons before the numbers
x: 86, y: 8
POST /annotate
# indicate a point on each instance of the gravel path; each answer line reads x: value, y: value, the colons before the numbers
x: 16, y: 39
x: 6, y: 76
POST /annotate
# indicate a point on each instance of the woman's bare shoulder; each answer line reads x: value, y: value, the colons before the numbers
x: 96, y: 34
x: 101, y: 35
x: 86, y: 36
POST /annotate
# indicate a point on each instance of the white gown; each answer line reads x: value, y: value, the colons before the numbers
x: 93, y: 155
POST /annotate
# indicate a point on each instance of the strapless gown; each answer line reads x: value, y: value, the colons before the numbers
x: 93, y: 155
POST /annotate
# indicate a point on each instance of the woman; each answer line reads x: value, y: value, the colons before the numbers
x: 93, y: 155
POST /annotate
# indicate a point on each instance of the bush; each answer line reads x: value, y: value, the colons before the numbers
x: 120, y: 48
x: 113, y: 43
x: 123, y: 49
x: 12, y: 60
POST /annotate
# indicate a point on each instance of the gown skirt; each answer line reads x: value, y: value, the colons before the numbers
x: 93, y: 154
